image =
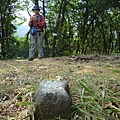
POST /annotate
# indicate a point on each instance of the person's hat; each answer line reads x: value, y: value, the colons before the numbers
x: 36, y: 7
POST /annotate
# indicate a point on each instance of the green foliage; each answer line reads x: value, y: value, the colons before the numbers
x: 88, y: 26
x: 23, y: 48
x: 18, y: 48
x: 9, y: 17
x: 82, y: 26
x: 96, y: 100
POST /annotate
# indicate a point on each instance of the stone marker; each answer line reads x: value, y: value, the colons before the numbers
x: 53, y: 100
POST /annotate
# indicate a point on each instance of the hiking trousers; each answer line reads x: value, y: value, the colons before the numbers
x: 36, y: 39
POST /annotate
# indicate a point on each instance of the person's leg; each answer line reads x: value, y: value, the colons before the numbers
x: 40, y: 47
x: 32, y: 46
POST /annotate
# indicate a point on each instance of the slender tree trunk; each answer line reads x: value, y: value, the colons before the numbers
x: 91, y: 45
x: 119, y: 41
x: 62, y: 21
x: 70, y: 38
x: 78, y: 46
x: 45, y: 35
x: 110, y: 47
x: 3, y: 43
x: 104, y: 41
x: 56, y: 29
x: 85, y: 27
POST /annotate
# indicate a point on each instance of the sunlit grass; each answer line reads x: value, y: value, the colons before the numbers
x: 94, y: 87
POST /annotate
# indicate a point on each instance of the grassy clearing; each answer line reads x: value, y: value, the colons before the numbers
x: 94, y: 84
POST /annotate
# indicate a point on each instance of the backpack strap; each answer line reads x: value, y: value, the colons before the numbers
x: 40, y: 17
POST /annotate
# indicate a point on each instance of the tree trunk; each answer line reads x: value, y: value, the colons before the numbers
x: 110, y: 42
x: 119, y: 41
x: 84, y: 36
x: 45, y: 35
x: 62, y: 21
x: 56, y: 29
x: 3, y: 43
x: 91, y: 45
x: 104, y: 41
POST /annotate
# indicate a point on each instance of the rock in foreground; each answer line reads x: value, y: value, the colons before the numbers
x: 53, y: 100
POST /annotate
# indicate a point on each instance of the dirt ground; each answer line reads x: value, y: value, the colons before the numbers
x: 21, y: 77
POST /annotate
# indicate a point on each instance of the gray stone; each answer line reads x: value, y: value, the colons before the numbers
x: 53, y: 100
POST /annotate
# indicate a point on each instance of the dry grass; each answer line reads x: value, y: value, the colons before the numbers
x: 19, y: 80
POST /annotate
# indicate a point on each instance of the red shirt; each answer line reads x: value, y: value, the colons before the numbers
x: 39, y: 24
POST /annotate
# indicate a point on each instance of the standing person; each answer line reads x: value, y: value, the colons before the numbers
x: 37, y: 23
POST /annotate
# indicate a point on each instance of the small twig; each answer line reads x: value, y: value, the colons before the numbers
x: 28, y: 12
x: 14, y: 98
x: 10, y: 65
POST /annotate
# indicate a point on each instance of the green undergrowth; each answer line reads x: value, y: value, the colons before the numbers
x: 96, y: 100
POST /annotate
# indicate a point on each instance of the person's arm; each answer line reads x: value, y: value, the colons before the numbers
x: 30, y: 23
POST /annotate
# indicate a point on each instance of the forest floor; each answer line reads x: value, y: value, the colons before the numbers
x: 19, y: 79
